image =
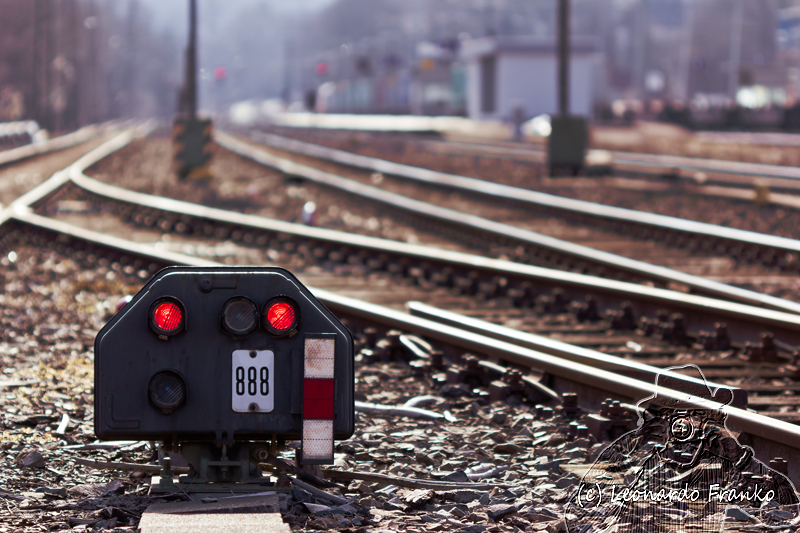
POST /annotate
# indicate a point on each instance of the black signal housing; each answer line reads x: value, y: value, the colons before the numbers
x: 195, y: 400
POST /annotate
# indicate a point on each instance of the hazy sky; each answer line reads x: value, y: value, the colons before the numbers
x: 174, y: 13
x: 244, y: 36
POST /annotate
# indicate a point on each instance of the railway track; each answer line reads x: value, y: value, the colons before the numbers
x: 642, y: 181
x: 729, y: 173
x: 20, y: 153
x: 649, y: 322
x: 525, y: 235
x: 634, y: 164
x: 513, y: 369
x: 498, y: 277
x: 26, y: 166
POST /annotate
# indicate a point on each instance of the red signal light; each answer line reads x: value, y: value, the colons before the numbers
x: 220, y: 73
x: 166, y: 317
x: 321, y: 68
x: 281, y: 316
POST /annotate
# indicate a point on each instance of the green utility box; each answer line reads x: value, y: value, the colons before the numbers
x: 568, y: 142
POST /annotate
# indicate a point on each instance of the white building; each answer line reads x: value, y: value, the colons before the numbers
x: 504, y: 72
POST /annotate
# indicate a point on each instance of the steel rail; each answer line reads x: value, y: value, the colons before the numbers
x: 745, y: 323
x: 726, y: 179
x: 15, y: 155
x: 570, y: 352
x: 769, y: 437
x: 516, y: 194
x: 662, y: 161
x: 611, y: 261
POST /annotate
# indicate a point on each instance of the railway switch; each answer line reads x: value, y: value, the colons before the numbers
x: 221, y: 362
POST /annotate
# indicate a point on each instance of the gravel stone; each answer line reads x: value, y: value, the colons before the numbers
x: 458, y: 476
x: 465, y: 496
x: 499, y: 511
x: 508, y: 448
x: 317, y: 509
x: 738, y: 514
x: 33, y: 459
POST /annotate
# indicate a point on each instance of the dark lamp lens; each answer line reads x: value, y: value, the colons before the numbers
x: 239, y: 316
x: 168, y: 316
x: 281, y: 316
x: 167, y: 390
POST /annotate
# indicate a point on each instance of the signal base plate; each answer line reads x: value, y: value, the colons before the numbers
x: 213, y: 489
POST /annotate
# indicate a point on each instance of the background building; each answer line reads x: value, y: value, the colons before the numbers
x: 505, y: 73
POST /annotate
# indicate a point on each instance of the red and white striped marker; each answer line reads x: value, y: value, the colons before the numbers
x: 318, y: 391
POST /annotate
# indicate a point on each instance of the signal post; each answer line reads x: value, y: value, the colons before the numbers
x: 191, y: 136
x: 569, y: 138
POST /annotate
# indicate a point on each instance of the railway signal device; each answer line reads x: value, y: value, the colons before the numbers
x: 222, y: 364
x: 569, y: 136
x: 566, y: 146
x: 191, y: 142
x: 191, y: 136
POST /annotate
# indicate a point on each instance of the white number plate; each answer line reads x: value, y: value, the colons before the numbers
x: 253, y: 377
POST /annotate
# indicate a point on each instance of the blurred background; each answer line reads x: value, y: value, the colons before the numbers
x: 720, y: 63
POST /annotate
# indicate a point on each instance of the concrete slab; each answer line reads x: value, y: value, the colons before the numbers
x: 213, y: 523
x: 262, y: 503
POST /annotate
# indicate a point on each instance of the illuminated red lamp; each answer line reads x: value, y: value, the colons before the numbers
x: 220, y: 73
x: 281, y: 316
x: 322, y: 68
x: 167, y: 317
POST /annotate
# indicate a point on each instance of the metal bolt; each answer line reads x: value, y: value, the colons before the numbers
x: 570, y: 399
x: 262, y: 454
x: 437, y: 357
x: 513, y: 376
x: 471, y: 362
x: 723, y: 342
x: 370, y: 336
x: 393, y: 336
x: 605, y: 407
x: 419, y: 367
x: 572, y: 430
x: 780, y: 464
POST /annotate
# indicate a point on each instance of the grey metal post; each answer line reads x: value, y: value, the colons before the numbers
x: 191, y: 62
x: 735, y: 52
x: 683, y: 92
x: 35, y: 108
x: 563, y: 57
